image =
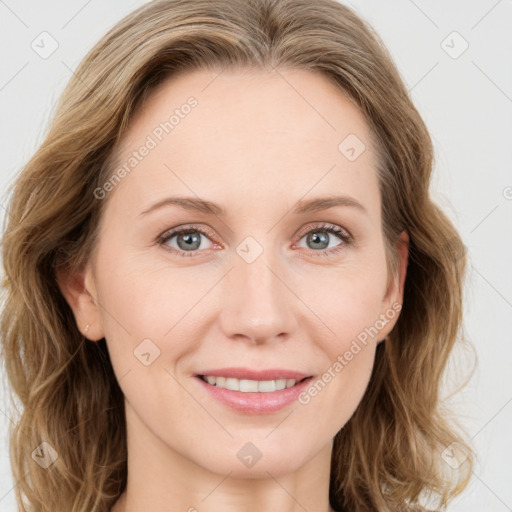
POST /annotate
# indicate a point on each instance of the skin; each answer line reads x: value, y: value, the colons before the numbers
x: 255, y: 145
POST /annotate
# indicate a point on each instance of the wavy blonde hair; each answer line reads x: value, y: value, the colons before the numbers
x: 388, y: 456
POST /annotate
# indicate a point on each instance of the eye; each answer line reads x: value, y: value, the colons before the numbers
x: 319, y: 239
x: 188, y: 241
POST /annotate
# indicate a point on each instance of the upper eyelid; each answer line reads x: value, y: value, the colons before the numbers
x: 323, y: 225
x: 169, y: 233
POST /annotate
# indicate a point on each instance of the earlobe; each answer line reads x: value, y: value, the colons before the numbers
x: 79, y: 292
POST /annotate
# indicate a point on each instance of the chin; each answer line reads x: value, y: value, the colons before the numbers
x: 258, y: 459
x: 271, y: 465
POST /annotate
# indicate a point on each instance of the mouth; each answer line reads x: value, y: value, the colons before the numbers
x: 251, y: 386
x: 253, y: 396
x: 265, y: 392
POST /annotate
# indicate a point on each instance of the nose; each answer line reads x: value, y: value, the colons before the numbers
x: 257, y: 302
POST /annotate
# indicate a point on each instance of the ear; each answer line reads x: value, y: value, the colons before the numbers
x: 394, y: 297
x: 79, y: 290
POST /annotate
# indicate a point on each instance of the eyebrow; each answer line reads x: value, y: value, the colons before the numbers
x: 303, y: 206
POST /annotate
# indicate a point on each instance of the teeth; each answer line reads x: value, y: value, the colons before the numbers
x: 250, y: 386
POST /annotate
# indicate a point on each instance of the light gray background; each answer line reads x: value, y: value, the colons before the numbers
x: 467, y: 105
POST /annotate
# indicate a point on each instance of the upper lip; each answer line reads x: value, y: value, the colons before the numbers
x: 249, y: 374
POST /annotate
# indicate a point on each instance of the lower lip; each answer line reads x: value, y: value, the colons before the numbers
x: 255, y: 403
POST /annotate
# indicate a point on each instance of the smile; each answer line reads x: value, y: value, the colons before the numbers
x: 253, y: 396
x: 249, y: 386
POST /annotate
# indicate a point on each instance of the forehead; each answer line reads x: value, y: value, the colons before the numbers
x: 261, y: 131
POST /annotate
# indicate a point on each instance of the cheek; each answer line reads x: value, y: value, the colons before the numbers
x: 348, y: 355
x: 145, y: 297
x: 349, y: 303
x: 147, y: 307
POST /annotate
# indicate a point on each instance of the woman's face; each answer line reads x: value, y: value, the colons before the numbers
x: 256, y: 283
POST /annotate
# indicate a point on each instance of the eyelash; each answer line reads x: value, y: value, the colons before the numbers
x: 328, y: 228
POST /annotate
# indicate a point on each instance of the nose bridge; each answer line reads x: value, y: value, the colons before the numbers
x: 257, y: 304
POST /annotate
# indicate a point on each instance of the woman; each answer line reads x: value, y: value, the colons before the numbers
x: 175, y: 335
